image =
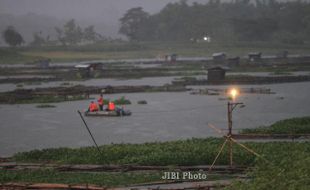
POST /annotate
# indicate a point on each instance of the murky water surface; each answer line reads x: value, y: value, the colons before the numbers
x: 167, y: 116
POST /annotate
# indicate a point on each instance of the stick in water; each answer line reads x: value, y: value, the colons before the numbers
x: 88, y: 130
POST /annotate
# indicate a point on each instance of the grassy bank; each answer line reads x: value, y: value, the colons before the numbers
x: 299, y: 125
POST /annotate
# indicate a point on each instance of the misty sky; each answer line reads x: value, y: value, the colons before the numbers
x: 81, y: 9
x: 103, y: 14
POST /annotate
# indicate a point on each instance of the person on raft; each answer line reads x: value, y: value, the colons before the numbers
x: 111, y: 106
x: 92, y: 107
x: 100, y: 102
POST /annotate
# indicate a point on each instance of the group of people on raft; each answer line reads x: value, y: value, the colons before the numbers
x: 94, y: 107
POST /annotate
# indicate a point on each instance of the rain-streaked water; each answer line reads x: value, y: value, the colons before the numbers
x: 167, y: 116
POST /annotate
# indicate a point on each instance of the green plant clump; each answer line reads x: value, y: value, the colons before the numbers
x: 122, y: 101
x: 288, y: 126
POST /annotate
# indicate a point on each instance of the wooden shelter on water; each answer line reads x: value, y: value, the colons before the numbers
x: 86, y: 70
x: 216, y: 73
x: 255, y: 56
x: 219, y: 57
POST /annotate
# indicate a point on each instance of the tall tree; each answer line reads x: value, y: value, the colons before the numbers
x: 133, y: 22
x: 60, y: 36
x: 12, y: 37
x: 73, y: 32
x: 90, y: 34
x: 38, y: 40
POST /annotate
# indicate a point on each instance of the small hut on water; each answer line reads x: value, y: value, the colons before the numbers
x: 216, y: 73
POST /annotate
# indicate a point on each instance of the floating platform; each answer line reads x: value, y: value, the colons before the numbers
x: 108, y: 113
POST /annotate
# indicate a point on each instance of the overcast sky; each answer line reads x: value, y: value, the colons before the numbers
x: 81, y: 9
x: 103, y: 14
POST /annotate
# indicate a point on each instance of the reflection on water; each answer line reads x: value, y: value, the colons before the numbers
x: 167, y: 116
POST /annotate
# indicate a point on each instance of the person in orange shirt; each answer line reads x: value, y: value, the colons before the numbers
x: 100, y: 102
x: 93, y: 107
x: 111, y: 106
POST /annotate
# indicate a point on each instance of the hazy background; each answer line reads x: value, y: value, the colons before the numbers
x: 29, y: 16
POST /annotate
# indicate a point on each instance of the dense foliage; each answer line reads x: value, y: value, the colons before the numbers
x: 241, y: 20
x: 72, y: 34
x: 182, y: 152
x: 288, y: 126
x: 12, y: 37
x: 291, y: 172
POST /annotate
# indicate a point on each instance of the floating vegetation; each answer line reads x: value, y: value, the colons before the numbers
x: 280, y: 98
x: 122, y: 101
x: 280, y: 73
x: 41, y: 99
x: 19, y: 85
x: 142, y: 102
x: 45, y: 106
x: 66, y: 84
x: 33, y: 83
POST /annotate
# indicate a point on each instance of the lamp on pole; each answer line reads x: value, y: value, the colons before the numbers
x: 231, y: 105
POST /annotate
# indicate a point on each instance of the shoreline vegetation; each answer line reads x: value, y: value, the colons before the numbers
x: 300, y: 125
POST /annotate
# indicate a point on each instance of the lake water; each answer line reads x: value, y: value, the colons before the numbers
x: 167, y: 116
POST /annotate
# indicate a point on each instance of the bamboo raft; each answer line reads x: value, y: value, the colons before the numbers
x: 246, y: 80
x: 217, y: 91
x: 271, y: 136
x: 108, y: 113
x: 117, y: 168
x: 167, y: 185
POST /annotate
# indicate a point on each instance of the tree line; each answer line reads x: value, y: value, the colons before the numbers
x: 235, y: 21
x: 238, y: 20
x: 69, y: 34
